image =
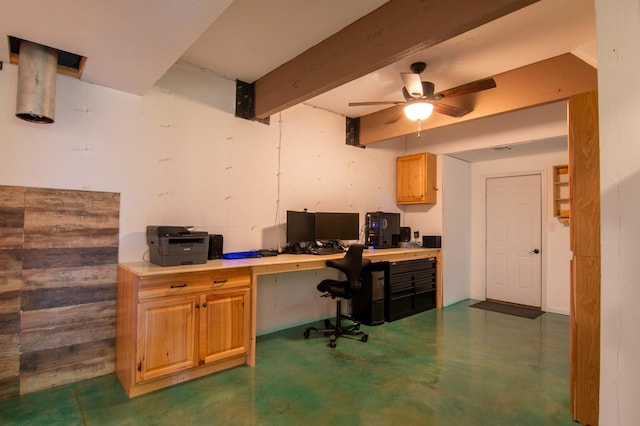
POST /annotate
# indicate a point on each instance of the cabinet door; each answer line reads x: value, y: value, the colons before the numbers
x: 416, y: 179
x: 225, y: 319
x: 166, y: 337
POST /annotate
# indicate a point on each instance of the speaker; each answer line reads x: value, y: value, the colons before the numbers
x: 215, y: 246
x: 431, y: 241
x: 405, y: 234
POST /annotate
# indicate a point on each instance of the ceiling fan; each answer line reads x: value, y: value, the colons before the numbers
x: 420, y: 99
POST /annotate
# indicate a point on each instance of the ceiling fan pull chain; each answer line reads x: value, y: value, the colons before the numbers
x: 419, y: 127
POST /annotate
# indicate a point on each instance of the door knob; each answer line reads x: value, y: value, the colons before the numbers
x: 534, y: 251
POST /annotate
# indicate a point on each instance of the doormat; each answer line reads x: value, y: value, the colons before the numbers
x: 508, y: 308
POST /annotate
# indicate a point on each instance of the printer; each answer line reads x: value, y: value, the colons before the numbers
x: 177, y: 245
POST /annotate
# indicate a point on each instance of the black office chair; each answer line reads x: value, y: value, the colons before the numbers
x: 351, y: 265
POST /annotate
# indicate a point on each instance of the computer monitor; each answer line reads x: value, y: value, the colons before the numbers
x: 337, y: 226
x: 300, y: 227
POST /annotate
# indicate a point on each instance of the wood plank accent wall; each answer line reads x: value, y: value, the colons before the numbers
x: 584, y: 172
x: 58, y: 268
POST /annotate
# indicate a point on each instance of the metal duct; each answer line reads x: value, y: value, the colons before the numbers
x: 37, y: 68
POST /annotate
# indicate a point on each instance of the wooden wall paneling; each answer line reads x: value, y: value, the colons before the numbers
x: 126, y: 312
x: 57, y: 219
x: 58, y: 259
x: 586, y: 338
x: 69, y: 271
x: 584, y: 164
x: 11, y: 238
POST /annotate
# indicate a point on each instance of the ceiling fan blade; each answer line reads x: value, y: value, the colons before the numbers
x: 465, y: 89
x: 375, y: 103
x: 412, y: 83
x: 450, y: 110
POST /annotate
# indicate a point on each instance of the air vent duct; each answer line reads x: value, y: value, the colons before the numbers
x: 37, y: 70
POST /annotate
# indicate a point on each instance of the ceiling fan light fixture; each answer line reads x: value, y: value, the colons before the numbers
x: 418, y: 111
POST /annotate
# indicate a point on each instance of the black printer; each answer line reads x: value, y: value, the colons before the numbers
x: 177, y: 245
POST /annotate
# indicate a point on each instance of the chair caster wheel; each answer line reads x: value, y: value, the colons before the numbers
x: 306, y: 334
x: 332, y: 341
x: 364, y: 337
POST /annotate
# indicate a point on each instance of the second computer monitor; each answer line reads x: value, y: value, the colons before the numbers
x: 301, y: 227
x: 337, y: 226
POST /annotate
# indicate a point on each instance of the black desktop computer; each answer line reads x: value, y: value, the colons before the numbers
x: 367, y: 304
x: 382, y: 230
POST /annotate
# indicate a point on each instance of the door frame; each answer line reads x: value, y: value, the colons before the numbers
x: 542, y: 173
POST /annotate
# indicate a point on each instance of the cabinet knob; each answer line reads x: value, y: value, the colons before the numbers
x: 204, y: 305
x: 197, y: 306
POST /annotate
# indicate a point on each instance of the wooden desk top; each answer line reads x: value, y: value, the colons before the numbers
x: 280, y: 263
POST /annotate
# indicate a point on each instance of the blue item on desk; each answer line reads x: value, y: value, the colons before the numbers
x: 241, y: 254
x: 249, y: 254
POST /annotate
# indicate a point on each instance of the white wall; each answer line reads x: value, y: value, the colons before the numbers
x: 543, y: 122
x: 555, y: 236
x: 456, y: 227
x: 178, y: 156
x: 618, y: 25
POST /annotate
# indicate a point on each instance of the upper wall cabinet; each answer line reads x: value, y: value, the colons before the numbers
x: 416, y: 179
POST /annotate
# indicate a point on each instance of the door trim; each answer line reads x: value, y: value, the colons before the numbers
x: 542, y: 173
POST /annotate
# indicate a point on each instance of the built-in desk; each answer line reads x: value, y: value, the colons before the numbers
x: 177, y: 323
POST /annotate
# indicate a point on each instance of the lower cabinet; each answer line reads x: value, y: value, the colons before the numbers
x: 177, y: 327
x: 166, y: 337
x: 411, y: 288
x: 224, y: 325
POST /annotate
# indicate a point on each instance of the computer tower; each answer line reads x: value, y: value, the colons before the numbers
x: 367, y: 304
x: 382, y: 230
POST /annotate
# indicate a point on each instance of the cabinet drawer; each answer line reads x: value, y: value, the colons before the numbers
x: 192, y: 283
x: 409, y: 266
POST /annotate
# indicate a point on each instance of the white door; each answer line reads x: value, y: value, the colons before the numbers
x: 514, y: 266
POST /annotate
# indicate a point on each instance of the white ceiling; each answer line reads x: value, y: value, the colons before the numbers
x: 520, y: 149
x: 131, y: 44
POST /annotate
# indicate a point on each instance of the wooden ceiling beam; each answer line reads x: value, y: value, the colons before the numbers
x: 392, y: 32
x: 543, y: 82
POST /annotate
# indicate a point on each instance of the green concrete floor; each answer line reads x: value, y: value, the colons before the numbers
x: 454, y: 366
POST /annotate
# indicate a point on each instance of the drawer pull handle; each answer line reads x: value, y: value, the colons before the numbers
x: 220, y: 281
x: 178, y: 285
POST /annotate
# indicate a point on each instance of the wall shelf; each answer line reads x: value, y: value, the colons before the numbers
x: 561, y: 194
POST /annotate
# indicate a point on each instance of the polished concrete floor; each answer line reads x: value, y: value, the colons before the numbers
x: 454, y: 366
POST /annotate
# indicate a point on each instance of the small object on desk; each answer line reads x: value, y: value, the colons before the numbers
x: 249, y: 254
x: 432, y: 241
x: 241, y: 255
x: 326, y: 250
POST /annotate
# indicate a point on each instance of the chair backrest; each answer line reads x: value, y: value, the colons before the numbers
x: 352, y: 265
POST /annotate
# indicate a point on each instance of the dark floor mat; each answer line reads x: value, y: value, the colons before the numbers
x: 508, y: 308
